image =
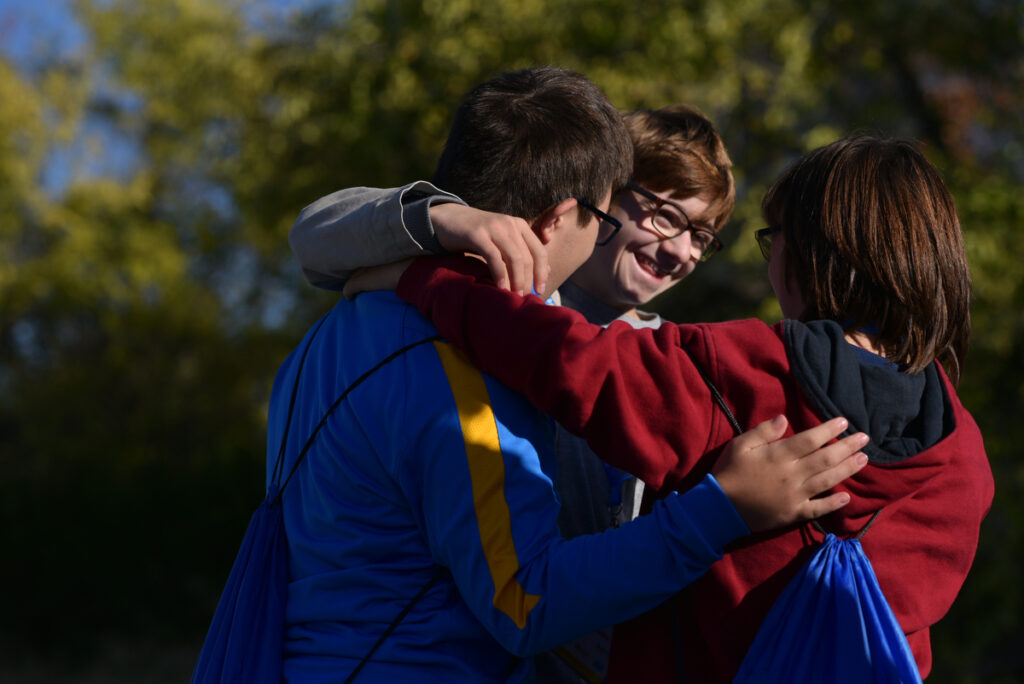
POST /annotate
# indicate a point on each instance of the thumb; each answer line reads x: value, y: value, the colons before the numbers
x: 765, y: 432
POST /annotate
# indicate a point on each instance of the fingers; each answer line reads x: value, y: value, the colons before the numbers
x: 762, y: 433
x: 808, y: 441
x: 520, y: 259
x: 516, y: 251
x: 795, y: 446
x: 515, y: 256
x: 830, y: 465
x: 815, y: 508
x: 539, y: 255
x: 495, y: 262
x: 774, y: 483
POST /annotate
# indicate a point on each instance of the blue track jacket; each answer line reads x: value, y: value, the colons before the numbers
x: 428, y: 463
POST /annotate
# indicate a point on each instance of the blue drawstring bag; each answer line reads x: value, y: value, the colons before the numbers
x: 831, y: 624
x: 246, y: 636
x: 245, y: 642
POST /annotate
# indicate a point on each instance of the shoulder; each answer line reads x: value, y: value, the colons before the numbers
x: 377, y: 334
x: 382, y: 317
x: 967, y: 444
x: 746, y: 338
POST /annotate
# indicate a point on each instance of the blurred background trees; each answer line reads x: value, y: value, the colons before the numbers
x: 148, y: 178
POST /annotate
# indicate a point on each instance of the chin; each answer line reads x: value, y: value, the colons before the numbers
x: 633, y: 301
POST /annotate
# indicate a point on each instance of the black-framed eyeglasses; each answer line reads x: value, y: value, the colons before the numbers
x: 669, y: 220
x: 764, y: 240
x: 616, y: 224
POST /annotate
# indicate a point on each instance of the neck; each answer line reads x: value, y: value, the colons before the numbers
x: 596, y: 311
x: 859, y: 338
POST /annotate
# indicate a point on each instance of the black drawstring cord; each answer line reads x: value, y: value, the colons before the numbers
x: 279, y: 469
x: 327, y: 414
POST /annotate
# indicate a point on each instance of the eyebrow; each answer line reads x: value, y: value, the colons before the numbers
x: 698, y: 224
x: 695, y: 224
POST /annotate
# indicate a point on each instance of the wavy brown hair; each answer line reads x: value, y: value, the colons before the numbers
x: 872, y: 238
x: 677, y: 149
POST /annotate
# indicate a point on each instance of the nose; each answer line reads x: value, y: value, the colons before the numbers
x: 680, y: 248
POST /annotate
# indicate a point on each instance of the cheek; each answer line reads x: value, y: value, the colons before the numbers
x: 786, y: 292
x: 776, y: 268
x: 584, y: 248
x: 773, y: 276
x: 633, y: 237
x: 777, y: 276
x: 609, y: 255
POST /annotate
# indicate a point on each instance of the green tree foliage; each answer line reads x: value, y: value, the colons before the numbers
x: 146, y: 303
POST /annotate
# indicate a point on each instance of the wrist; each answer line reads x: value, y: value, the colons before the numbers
x: 716, y: 512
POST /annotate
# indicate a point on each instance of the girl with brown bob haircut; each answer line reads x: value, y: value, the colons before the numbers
x: 872, y: 240
x: 866, y: 257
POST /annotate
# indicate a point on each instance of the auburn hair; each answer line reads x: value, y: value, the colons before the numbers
x: 677, y: 149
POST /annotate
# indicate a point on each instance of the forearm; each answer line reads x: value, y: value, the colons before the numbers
x: 359, y: 227
x: 625, y: 391
x: 489, y: 514
x: 599, y: 580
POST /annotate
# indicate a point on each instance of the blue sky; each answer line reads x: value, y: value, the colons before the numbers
x: 36, y: 31
x: 38, y: 27
x: 34, y: 28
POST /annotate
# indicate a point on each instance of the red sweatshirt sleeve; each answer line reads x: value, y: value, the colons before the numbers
x: 624, y: 390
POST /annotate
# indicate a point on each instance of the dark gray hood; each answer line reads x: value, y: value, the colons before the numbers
x: 905, y: 415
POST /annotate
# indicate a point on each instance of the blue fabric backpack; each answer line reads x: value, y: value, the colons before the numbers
x: 244, y: 644
x: 831, y: 623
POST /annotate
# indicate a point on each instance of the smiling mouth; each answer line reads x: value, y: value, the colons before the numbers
x: 651, y: 266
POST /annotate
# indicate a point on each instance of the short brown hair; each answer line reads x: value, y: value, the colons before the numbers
x: 677, y: 149
x: 872, y: 239
x: 526, y: 140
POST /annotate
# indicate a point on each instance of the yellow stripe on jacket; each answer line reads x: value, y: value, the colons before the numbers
x: 487, y: 472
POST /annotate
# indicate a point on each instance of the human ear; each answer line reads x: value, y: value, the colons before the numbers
x: 553, y: 218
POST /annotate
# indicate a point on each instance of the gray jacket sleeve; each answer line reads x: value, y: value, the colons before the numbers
x: 357, y: 227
